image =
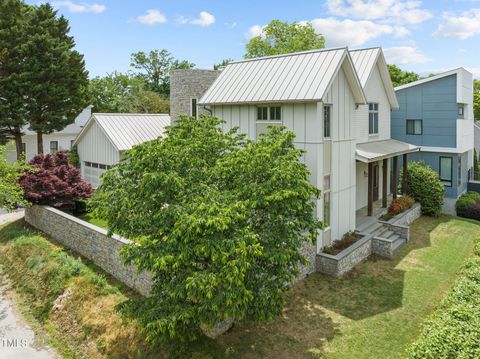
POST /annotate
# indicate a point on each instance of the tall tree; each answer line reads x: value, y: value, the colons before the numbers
x: 400, y: 77
x: 155, y: 68
x: 56, y: 75
x: 13, y: 21
x: 476, y: 99
x: 119, y: 92
x: 280, y: 37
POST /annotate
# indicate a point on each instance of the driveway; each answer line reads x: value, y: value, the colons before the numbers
x: 17, y: 339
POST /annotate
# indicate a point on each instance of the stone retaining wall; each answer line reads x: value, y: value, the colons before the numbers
x: 401, y: 222
x: 89, y: 241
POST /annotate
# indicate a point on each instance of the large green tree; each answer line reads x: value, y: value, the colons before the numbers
x: 230, y: 217
x: 280, y: 37
x: 155, y: 67
x: 55, y: 72
x: 119, y: 92
x: 400, y: 77
x: 476, y: 99
x: 14, y: 16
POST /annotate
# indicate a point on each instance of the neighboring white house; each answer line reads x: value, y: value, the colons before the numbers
x: 105, y: 137
x: 56, y: 141
x: 338, y: 103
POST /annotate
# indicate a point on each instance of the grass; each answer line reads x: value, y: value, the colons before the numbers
x: 87, y: 324
x: 90, y: 218
x: 376, y: 311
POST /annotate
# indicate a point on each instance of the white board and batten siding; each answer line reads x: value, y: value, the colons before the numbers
x: 96, y: 147
x: 306, y: 120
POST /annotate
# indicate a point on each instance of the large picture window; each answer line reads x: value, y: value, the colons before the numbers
x: 445, y: 170
x: 414, y: 127
x: 373, y: 118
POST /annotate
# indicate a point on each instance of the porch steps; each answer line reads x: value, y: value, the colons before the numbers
x: 369, y: 227
x: 395, y: 239
x: 399, y: 242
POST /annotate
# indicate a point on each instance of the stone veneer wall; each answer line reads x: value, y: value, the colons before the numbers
x: 188, y: 84
x: 89, y: 241
x: 309, y: 251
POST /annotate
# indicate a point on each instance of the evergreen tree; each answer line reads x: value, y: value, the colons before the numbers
x: 56, y: 75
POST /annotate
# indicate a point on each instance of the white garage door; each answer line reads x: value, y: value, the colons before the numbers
x: 92, y: 172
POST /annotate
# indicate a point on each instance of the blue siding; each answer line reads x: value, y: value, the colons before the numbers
x: 435, y: 103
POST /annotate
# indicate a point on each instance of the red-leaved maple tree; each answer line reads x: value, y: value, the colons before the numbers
x: 54, y: 182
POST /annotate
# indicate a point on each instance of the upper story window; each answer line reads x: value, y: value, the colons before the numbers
x: 414, y: 127
x: 327, y: 121
x: 269, y: 113
x: 461, y: 111
x: 193, y: 107
x: 445, y: 170
x: 373, y: 118
x: 53, y: 146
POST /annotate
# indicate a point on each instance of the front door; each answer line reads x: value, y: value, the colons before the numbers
x: 376, y: 181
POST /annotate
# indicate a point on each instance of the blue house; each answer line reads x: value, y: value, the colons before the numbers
x: 436, y: 114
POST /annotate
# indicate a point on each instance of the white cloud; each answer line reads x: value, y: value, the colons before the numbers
x: 152, y: 17
x: 399, y: 11
x: 79, y: 7
x: 353, y: 33
x: 403, y: 55
x: 462, y: 26
x: 182, y: 20
x: 205, y: 19
x: 254, y: 31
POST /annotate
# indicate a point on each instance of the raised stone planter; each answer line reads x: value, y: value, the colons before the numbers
x: 344, y: 261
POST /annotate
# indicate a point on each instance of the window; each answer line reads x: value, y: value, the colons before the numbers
x: 414, y: 127
x: 327, y: 117
x: 88, y: 164
x: 459, y: 177
x: 53, y: 146
x: 193, y: 107
x: 461, y: 111
x: 326, y: 201
x: 71, y: 143
x: 445, y: 170
x: 275, y: 113
x: 272, y: 113
x: 372, y: 118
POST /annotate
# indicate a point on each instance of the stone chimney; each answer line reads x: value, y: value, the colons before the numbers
x: 187, y: 88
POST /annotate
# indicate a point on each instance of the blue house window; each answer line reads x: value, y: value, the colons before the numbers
x: 372, y: 118
x: 446, y: 170
x: 414, y: 127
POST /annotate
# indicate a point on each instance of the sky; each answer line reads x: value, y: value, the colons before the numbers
x: 423, y: 36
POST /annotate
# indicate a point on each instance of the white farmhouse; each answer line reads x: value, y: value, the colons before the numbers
x: 106, y: 136
x: 53, y: 142
x: 338, y: 103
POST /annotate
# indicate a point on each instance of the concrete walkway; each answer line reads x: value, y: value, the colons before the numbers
x: 17, y: 339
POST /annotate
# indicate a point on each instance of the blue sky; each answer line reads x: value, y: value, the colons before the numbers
x: 424, y: 36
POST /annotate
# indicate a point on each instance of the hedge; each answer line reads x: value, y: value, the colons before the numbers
x: 467, y: 200
x: 453, y: 331
x: 424, y: 185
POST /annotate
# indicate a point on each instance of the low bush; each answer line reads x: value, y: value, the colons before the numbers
x: 453, y: 331
x: 472, y: 211
x: 425, y: 187
x: 466, y: 200
x: 398, y: 206
x: 347, y: 240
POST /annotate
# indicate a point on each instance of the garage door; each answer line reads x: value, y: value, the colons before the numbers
x: 92, y: 172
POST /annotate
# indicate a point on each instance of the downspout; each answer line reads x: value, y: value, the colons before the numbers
x: 209, y: 110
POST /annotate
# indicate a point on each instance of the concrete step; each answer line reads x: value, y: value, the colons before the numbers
x: 386, y: 234
x: 393, y: 237
x: 373, y: 227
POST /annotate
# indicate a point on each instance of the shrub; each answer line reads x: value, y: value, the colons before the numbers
x: 453, y: 331
x: 347, y: 240
x: 219, y: 219
x: 54, y: 182
x: 467, y: 199
x: 11, y: 194
x: 425, y: 187
x: 398, y: 206
x: 472, y: 211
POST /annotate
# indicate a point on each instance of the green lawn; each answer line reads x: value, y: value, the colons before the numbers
x: 376, y: 311
x: 94, y: 220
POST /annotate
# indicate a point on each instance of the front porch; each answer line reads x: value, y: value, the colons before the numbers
x: 363, y: 220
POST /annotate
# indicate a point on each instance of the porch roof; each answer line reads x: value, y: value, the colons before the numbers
x: 379, y: 150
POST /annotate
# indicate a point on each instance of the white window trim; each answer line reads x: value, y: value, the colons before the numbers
x: 374, y: 134
x: 268, y: 115
x: 329, y: 137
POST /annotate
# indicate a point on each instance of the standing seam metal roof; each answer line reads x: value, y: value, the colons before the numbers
x: 128, y: 130
x: 364, y: 61
x: 303, y: 76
